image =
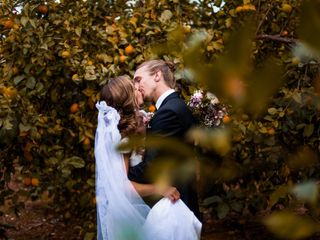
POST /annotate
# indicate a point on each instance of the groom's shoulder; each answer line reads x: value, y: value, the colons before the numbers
x: 176, y: 104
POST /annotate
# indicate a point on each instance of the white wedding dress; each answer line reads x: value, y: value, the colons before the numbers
x: 121, y: 212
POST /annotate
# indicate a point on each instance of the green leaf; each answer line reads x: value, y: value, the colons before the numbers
x: 290, y: 226
x: 223, y: 209
x: 280, y: 192
x: 166, y: 15
x: 308, y: 130
x: 91, y: 182
x: 78, y: 31
x: 31, y: 82
x: 210, y: 200
x: 105, y: 58
x: 32, y: 22
x: 65, y: 172
x: 27, y: 68
x: 44, y: 46
x: 18, y: 79
x: 307, y: 191
x: 272, y: 111
x: 297, y: 97
x: 7, y: 124
x: 309, y: 27
x: 52, y: 161
x: 24, y: 20
x: 24, y: 128
x: 237, y: 206
x: 89, y: 236
x: 74, y: 161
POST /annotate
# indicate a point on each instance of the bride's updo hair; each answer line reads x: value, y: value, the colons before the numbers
x: 119, y: 93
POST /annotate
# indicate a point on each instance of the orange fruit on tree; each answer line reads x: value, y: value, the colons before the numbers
x: 90, y: 63
x: 35, y: 182
x: 27, y: 181
x: 74, y: 108
x: 86, y: 141
x: 65, y: 54
x: 43, y: 9
x: 10, y: 92
x: 287, y: 8
x: 226, y: 119
x: 27, y: 155
x: 122, y: 58
x: 239, y: 9
x: 295, y: 60
x: 75, y: 77
x: 284, y: 33
x: 152, y: 108
x: 129, y: 49
x: 16, y: 26
x: 187, y: 29
x: 8, y: 24
x: 271, y: 131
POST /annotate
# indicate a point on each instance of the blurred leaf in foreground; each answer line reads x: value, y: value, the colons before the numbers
x: 304, y: 158
x: 218, y: 140
x: 264, y: 83
x: 309, y: 30
x: 307, y: 191
x: 288, y: 225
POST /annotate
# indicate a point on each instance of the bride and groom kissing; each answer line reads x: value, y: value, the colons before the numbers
x: 121, y: 183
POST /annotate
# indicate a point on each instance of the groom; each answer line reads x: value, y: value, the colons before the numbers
x: 155, y: 80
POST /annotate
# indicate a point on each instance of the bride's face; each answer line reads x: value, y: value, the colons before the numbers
x: 138, y: 95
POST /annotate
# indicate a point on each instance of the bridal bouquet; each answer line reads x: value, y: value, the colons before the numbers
x: 207, y: 108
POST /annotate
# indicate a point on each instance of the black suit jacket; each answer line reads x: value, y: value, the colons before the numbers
x: 172, y: 119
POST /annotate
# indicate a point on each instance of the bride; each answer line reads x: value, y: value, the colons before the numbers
x: 121, y: 212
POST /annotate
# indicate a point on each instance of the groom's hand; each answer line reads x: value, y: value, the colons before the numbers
x: 170, y: 192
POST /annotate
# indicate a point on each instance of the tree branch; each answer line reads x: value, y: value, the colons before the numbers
x: 276, y: 38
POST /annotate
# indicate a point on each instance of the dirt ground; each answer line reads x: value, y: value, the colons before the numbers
x: 36, y: 222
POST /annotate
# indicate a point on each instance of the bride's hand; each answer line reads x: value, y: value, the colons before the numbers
x: 170, y: 192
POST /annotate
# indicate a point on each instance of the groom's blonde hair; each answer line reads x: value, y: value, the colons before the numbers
x: 167, y: 69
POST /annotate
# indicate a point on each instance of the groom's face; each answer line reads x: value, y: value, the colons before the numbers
x: 145, y: 83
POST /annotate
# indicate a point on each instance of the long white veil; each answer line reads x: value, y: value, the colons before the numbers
x: 121, y: 212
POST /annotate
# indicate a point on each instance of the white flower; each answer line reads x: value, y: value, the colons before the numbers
x: 196, y: 98
x: 198, y: 94
x: 213, y: 99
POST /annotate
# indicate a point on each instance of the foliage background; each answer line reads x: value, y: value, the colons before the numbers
x: 259, y: 56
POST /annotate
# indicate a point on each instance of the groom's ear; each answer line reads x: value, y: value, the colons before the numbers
x: 158, y: 76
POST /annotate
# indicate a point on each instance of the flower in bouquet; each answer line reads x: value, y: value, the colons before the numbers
x: 207, y: 108
x: 147, y: 115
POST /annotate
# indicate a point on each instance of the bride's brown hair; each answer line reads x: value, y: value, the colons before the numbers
x: 119, y: 93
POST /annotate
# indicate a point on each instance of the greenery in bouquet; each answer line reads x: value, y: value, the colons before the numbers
x: 206, y: 107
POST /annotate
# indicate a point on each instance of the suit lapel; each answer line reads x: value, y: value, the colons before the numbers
x: 171, y: 96
x: 168, y: 98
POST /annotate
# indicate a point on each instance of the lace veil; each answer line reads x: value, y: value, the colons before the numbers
x: 121, y: 212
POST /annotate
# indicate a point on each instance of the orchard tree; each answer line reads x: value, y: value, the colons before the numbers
x: 259, y: 57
